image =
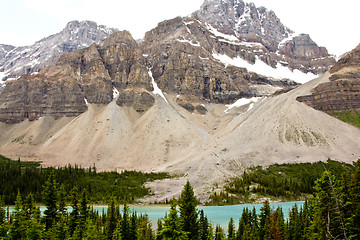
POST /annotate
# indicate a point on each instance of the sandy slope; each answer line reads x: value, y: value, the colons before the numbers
x: 277, y: 130
x: 205, y: 149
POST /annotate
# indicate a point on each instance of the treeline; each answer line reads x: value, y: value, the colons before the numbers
x: 332, y: 213
x: 82, y: 222
x: 279, y: 181
x: 30, y: 177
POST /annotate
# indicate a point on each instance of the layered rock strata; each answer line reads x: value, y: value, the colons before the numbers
x: 342, y: 92
x: 181, y: 52
x: 91, y: 75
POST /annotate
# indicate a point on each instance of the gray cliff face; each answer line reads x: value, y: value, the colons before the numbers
x: 90, y: 75
x: 342, y: 92
x: 16, y: 61
x: 245, y: 21
x: 185, y: 55
x: 4, y: 49
x: 259, y: 25
x: 181, y: 52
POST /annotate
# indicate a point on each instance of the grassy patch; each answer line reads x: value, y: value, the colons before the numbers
x: 352, y: 117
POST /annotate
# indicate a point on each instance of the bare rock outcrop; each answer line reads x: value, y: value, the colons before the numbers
x: 16, y: 61
x: 342, y: 92
x: 181, y: 52
x: 253, y: 24
x: 90, y: 75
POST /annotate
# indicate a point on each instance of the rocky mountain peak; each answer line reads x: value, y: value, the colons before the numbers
x: 96, y: 74
x: 123, y: 37
x: 245, y: 21
x: 31, y: 59
x: 246, y: 24
x: 4, y: 49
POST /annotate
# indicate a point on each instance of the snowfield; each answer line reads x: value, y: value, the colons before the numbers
x: 280, y: 72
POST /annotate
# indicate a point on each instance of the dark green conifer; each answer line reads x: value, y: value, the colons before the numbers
x: 172, y: 228
x: 265, y: 212
x: 125, y: 224
x: 159, y: 228
x: 50, y: 201
x: 74, y: 215
x: 354, y: 218
x: 219, y: 233
x: 110, y: 224
x: 231, y: 230
x: 204, y: 226
x: 188, y: 212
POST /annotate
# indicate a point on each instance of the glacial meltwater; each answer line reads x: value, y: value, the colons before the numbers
x: 216, y: 214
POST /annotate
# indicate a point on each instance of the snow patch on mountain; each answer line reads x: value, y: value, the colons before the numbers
x: 157, y: 90
x: 2, y: 75
x: 115, y: 93
x: 241, y: 102
x: 197, y: 44
x: 280, y: 72
x: 216, y: 33
x: 28, y: 59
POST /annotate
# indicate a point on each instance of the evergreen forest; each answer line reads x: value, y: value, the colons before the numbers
x: 284, y: 182
x: 30, y: 177
x: 332, y: 211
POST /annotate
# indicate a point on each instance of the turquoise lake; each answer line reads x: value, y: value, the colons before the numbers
x: 216, y: 214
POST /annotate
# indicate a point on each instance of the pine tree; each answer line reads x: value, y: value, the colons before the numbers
x: 82, y: 217
x: 35, y: 230
x: 204, y: 226
x: 231, y: 230
x: 50, y: 201
x: 74, y: 215
x: 244, y: 224
x: 133, y: 227
x: 125, y: 224
x: 354, y: 218
x: 16, y: 230
x: 92, y: 232
x: 327, y: 213
x: 172, y: 228
x: 110, y: 220
x: 277, y: 225
x: 62, y: 199
x: 3, y: 224
x: 294, y: 224
x: 210, y: 232
x: 144, y: 230
x: 305, y: 220
x: 219, y: 233
x: 159, y: 228
x: 188, y: 212
x: 265, y: 212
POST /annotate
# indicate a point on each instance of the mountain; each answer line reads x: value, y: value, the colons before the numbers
x: 16, y: 61
x: 248, y: 23
x: 159, y: 105
x: 228, y: 50
x: 183, y: 60
x: 4, y: 49
x: 342, y: 92
x: 90, y: 75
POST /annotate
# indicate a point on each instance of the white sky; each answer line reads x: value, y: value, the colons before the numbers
x: 332, y: 24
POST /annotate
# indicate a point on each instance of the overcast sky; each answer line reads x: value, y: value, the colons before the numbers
x: 333, y: 24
